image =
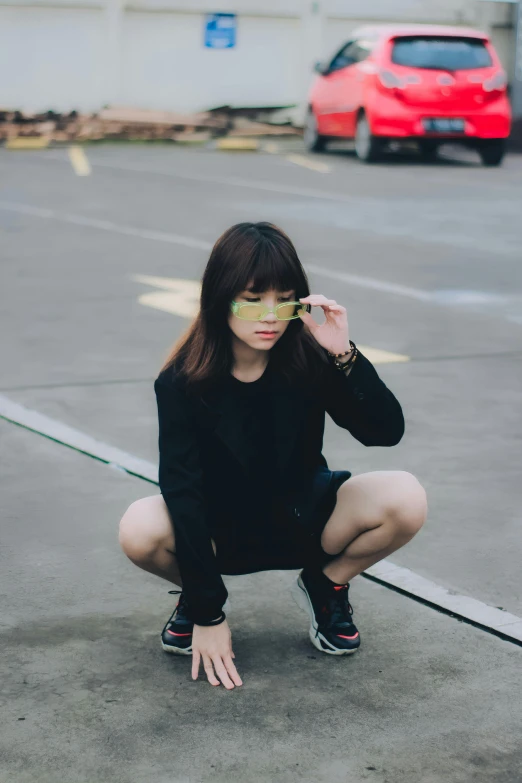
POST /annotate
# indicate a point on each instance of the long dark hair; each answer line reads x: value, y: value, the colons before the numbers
x: 247, y: 253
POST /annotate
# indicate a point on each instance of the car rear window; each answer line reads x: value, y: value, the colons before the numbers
x: 444, y: 54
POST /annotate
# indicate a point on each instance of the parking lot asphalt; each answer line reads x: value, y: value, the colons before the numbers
x: 88, y: 694
x: 427, y: 260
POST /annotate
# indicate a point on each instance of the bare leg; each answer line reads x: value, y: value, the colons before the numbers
x: 147, y: 537
x: 376, y: 514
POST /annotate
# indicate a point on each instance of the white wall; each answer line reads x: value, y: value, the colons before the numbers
x: 437, y: 11
x: 166, y: 66
x: 82, y: 54
x: 51, y: 58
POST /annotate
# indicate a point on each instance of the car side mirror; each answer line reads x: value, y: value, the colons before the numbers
x: 320, y: 67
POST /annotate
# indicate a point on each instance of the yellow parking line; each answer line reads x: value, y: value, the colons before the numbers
x: 79, y: 161
x: 179, y: 296
x: 237, y: 144
x: 308, y: 163
x: 176, y: 295
x: 27, y: 143
x: 379, y: 356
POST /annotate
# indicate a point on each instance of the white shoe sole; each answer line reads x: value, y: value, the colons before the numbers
x: 168, y: 648
x: 302, y: 600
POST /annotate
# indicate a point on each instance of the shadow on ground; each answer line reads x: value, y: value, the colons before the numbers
x: 89, y: 696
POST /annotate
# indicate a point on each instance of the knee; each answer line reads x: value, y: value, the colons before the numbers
x: 408, y: 505
x: 136, y: 538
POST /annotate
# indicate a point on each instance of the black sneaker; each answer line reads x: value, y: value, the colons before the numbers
x: 332, y: 629
x: 176, y: 637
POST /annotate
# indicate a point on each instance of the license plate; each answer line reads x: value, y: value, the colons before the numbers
x: 443, y: 125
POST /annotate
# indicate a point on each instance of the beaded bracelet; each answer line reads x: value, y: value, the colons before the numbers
x: 337, y: 355
x: 344, y: 365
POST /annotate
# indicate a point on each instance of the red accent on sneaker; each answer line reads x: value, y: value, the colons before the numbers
x: 178, y: 634
x: 340, y: 587
x: 348, y: 637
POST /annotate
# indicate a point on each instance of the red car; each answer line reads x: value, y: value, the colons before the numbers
x: 425, y: 83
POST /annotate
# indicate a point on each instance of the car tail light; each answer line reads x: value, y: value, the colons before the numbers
x: 497, y: 82
x: 392, y: 81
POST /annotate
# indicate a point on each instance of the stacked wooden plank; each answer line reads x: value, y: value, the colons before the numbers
x: 135, y: 124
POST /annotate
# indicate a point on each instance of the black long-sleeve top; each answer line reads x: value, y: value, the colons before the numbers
x: 209, y: 470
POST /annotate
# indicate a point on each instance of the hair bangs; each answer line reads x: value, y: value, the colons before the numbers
x: 270, y: 268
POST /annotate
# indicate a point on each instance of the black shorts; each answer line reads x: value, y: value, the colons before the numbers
x: 284, y: 545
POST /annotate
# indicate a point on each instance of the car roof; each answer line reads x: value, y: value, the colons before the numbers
x: 386, y: 31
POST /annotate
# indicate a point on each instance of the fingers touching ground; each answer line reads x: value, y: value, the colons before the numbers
x: 212, y: 647
x: 222, y: 667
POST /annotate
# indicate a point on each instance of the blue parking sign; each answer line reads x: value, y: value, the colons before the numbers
x: 220, y: 31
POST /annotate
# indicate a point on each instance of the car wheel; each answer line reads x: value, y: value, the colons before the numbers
x: 429, y: 150
x: 367, y: 147
x: 314, y: 142
x: 492, y: 152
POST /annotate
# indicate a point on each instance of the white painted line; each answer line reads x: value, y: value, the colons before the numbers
x: 387, y: 573
x: 372, y: 283
x: 79, y: 161
x: 469, y: 608
x: 439, y: 298
x: 106, y: 225
x: 309, y: 163
x: 444, y: 298
x: 75, y: 439
x: 163, y: 236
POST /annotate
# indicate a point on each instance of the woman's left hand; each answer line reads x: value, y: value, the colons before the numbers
x: 333, y: 333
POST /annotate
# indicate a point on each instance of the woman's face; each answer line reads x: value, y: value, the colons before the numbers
x: 261, y: 335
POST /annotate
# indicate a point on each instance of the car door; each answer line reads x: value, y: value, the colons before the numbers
x: 348, y: 95
x: 364, y: 70
x: 343, y: 89
x: 329, y: 99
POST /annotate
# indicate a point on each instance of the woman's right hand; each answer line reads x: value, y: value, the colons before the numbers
x: 213, y: 645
